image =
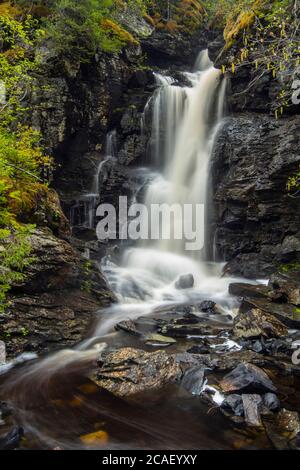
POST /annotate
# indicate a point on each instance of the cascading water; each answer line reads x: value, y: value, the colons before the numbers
x: 192, y: 116
x: 185, y: 121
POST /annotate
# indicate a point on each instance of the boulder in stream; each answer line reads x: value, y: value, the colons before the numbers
x: 185, y: 281
x: 201, y: 348
x: 193, y: 380
x: 155, y: 339
x: 288, y: 285
x: 286, y: 313
x: 271, y: 402
x: 234, y: 403
x: 241, y: 289
x: 252, y: 404
x: 128, y: 372
x: 128, y: 326
x: 208, y: 306
x: 247, y: 378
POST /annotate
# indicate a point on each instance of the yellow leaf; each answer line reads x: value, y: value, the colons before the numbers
x: 98, y: 437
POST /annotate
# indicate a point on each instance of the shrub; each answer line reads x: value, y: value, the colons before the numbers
x: 14, y: 258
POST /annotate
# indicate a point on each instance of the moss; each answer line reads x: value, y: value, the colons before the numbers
x: 235, y: 26
x: 296, y: 314
x: 285, y: 268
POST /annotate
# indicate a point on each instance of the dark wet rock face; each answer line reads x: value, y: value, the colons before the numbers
x: 72, y: 108
x: 256, y: 222
x: 166, y: 50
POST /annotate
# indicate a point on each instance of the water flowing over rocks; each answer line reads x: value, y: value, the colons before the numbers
x: 244, y: 368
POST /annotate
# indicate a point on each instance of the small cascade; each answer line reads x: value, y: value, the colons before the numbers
x: 82, y: 213
x: 111, y: 144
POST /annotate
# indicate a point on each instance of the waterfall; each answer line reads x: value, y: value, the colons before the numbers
x: 190, y: 116
x: 185, y: 122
